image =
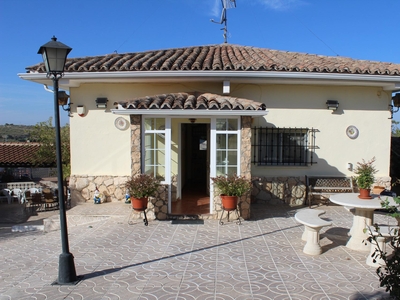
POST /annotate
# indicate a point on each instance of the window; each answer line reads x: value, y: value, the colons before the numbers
x: 155, y: 147
x: 283, y: 146
x: 227, y: 143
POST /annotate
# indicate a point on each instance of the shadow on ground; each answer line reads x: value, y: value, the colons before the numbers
x: 13, y: 214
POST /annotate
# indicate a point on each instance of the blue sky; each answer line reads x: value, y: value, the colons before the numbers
x: 360, y: 29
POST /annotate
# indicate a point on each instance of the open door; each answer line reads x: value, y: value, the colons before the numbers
x: 195, y: 170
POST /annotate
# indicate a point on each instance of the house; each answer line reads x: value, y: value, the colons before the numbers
x: 188, y: 114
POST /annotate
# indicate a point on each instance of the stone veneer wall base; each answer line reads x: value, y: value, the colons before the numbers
x: 267, y: 190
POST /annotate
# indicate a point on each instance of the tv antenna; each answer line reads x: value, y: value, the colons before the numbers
x: 226, y: 4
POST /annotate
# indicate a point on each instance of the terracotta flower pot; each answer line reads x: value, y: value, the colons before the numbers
x: 378, y: 190
x: 365, y: 194
x: 139, y: 204
x: 229, y: 202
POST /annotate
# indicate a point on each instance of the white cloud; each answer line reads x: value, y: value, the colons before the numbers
x: 281, y: 4
x: 216, y: 8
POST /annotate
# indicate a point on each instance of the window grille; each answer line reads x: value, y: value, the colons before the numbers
x: 283, y: 146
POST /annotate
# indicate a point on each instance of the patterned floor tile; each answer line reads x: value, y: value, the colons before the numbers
x: 260, y: 259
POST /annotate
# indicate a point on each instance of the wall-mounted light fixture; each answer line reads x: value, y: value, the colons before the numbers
x: 192, y: 120
x: 396, y: 103
x: 350, y: 166
x: 332, y: 104
x: 226, y: 87
x: 81, y: 110
x: 101, y: 102
x: 63, y: 100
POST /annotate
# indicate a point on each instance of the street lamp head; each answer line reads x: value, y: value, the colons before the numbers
x: 54, y: 56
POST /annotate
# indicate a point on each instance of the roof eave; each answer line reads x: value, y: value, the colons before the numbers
x: 387, y: 82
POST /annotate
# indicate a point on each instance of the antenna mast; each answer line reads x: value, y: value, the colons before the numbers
x: 226, y: 4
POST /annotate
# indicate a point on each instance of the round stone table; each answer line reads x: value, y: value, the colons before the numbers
x: 363, y: 216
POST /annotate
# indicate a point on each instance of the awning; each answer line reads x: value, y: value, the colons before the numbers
x: 199, y: 104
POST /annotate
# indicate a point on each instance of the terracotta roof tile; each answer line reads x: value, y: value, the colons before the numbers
x: 226, y: 57
x: 191, y: 101
x: 19, y: 155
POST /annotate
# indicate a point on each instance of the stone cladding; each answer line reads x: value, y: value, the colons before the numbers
x: 279, y: 190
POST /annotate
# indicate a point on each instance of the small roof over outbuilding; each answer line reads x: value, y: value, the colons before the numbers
x: 13, y: 155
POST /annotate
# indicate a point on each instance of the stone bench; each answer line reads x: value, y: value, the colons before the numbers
x: 380, y: 237
x: 312, y: 225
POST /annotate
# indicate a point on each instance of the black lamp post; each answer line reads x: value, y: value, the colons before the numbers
x: 54, y: 56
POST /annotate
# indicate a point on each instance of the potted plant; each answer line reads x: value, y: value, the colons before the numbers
x: 231, y: 188
x: 365, y: 177
x: 141, y: 187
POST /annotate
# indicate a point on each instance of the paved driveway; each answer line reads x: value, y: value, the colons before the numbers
x: 260, y: 259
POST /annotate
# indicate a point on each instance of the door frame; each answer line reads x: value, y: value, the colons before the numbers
x: 181, y: 155
x: 213, y: 153
x: 212, y: 145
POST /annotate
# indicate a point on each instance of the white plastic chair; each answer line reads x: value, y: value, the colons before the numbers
x: 34, y: 190
x: 16, y: 194
x: 5, y: 194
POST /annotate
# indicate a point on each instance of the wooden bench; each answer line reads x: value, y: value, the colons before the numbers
x: 325, y: 186
x: 312, y: 225
x: 380, y: 237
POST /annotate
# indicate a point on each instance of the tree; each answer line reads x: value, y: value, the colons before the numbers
x: 395, y: 128
x: 44, y: 133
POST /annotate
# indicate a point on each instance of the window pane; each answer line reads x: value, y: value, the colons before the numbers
x: 154, y: 123
x: 232, y: 141
x: 221, y: 124
x: 160, y: 172
x: 232, y: 170
x: 149, y: 124
x: 221, y: 158
x: 160, y: 124
x: 149, y: 157
x: 160, y: 141
x: 221, y: 171
x: 149, y: 140
x: 160, y: 158
x: 221, y: 141
x: 232, y: 158
x: 232, y: 124
x: 149, y: 170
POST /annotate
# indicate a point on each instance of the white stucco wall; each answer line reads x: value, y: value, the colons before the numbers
x: 302, y: 106
x: 99, y: 148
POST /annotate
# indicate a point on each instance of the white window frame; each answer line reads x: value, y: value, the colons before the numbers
x: 167, y: 133
x: 213, y: 149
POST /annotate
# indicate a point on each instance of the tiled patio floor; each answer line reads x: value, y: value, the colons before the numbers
x: 260, y: 259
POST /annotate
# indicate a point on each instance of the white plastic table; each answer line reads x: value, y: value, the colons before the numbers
x: 363, y: 216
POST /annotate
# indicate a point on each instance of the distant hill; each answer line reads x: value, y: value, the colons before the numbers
x: 15, y: 133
